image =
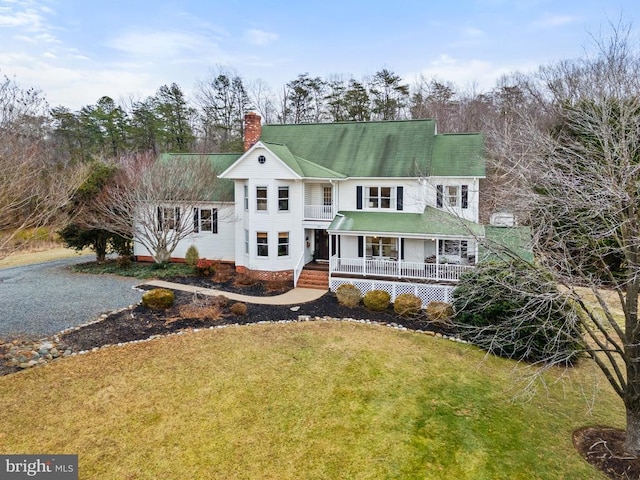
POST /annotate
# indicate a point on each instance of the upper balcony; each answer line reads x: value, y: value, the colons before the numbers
x: 319, y: 212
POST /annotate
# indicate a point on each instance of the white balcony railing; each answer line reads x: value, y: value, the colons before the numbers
x: 319, y: 212
x: 397, y: 268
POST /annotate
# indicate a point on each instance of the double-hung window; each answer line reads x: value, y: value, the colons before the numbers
x: 262, y: 241
x: 261, y: 199
x: 246, y: 197
x: 283, y: 199
x: 283, y: 244
x: 452, y: 196
x: 378, y: 197
x: 205, y: 220
x: 168, y: 218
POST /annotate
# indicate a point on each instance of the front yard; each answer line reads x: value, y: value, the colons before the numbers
x: 302, y: 400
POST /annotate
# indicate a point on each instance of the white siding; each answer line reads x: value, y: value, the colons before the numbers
x: 249, y: 167
x: 214, y: 246
x: 469, y: 213
x: 413, y: 194
x: 271, y: 221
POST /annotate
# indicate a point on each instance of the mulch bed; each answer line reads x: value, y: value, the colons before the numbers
x: 140, y: 322
x: 603, y: 447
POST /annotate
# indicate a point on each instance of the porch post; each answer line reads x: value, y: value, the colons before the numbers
x: 330, y: 254
x: 398, y: 260
x: 438, y: 259
x: 476, y: 251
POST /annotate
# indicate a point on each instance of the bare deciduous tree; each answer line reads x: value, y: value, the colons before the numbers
x: 152, y: 200
x: 33, y: 187
x: 579, y: 180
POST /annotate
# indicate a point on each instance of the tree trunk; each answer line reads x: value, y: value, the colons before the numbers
x: 100, y: 247
x: 162, y: 256
x: 632, y: 440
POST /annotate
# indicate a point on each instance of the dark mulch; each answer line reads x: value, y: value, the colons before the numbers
x: 141, y: 322
x: 603, y: 447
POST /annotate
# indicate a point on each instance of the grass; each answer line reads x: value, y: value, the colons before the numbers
x: 136, y: 270
x: 321, y: 400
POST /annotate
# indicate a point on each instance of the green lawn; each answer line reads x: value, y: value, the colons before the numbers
x: 320, y: 400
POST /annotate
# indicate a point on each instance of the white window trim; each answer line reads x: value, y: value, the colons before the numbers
x: 283, y: 187
x: 266, y: 199
x: 288, y: 244
x: 367, y: 197
x: 259, y: 244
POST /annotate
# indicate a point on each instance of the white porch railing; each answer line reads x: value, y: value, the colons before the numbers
x: 298, y: 270
x: 319, y: 212
x: 396, y: 268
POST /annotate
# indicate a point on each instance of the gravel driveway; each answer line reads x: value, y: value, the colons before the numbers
x: 40, y: 300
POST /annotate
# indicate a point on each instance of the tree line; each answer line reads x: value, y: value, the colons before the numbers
x: 212, y: 121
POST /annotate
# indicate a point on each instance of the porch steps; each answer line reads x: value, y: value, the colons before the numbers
x: 312, y: 277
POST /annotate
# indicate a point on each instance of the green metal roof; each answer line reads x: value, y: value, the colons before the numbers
x: 461, y: 153
x: 431, y: 222
x: 224, y: 192
x: 403, y: 148
x: 515, y: 240
x: 302, y: 167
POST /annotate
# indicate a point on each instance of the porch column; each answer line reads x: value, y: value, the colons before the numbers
x: 399, y: 242
x: 438, y: 258
x: 476, y: 250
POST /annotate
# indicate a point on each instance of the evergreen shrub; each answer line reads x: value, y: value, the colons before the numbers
x: 377, y: 300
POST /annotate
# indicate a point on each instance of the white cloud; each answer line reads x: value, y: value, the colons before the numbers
x: 161, y: 44
x: 552, y: 21
x: 467, y: 73
x: 472, y: 32
x: 259, y: 38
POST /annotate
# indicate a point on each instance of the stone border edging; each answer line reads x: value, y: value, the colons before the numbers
x: 45, y: 350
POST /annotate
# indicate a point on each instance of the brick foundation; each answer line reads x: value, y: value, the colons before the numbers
x: 285, y: 275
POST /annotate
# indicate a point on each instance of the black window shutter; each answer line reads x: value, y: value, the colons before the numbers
x: 465, y: 196
x: 402, y: 249
x: 177, y: 217
x: 439, y: 194
x: 196, y: 229
x: 399, y: 198
x: 360, y: 247
x: 159, y: 219
x: 214, y: 220
x: 359, y: 198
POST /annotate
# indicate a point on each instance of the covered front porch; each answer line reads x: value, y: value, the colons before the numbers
x: 434, y: 246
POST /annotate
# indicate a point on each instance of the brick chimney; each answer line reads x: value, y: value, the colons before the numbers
x: 252, y: 129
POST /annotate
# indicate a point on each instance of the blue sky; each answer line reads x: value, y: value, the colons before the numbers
x: 79, y: 50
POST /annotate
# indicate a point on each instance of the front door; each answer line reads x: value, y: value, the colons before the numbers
x: 321, y: 251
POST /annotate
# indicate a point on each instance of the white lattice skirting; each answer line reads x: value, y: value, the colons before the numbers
x: 428, y: 293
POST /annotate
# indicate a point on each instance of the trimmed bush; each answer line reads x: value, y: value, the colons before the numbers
x: 158, y: 298
x: 238, y: 309
x: 348, y: 295
x: 377, y: 300
x: 439, y: 312
x: 205, y: 268
x: 407, y: 305
x: 515, y: 310
x: 192, y: 256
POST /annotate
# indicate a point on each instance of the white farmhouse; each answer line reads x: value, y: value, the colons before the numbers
x: 389, y: 204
